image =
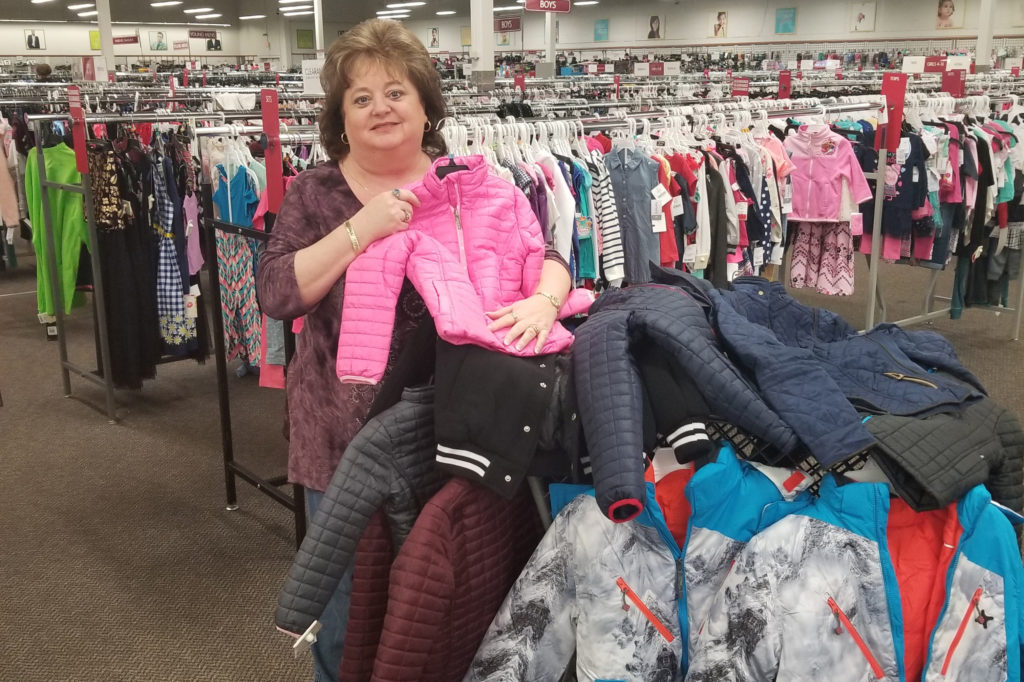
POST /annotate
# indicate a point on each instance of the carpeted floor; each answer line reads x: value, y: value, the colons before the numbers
x: 118, y: 561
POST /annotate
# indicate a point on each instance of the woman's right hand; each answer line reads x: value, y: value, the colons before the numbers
x: 384, y: 215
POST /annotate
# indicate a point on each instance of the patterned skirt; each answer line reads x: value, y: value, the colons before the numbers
x: 822, y: 258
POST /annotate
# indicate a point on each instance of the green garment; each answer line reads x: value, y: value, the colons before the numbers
x: 70, y: 232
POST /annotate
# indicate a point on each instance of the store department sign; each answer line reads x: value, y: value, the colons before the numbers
x: 548, y: 6
x: 508, y: 24
x: 180, y: 45
x: 204, y: 35
x: 311, y: 69
x: 126, y: 40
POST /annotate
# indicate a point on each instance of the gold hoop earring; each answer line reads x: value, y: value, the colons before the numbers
x: 429, y: 126
x: 344, y: 140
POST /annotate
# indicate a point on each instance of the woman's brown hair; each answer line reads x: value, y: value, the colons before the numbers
x: 395, y: 47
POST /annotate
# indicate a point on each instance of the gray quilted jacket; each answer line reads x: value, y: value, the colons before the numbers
x: 389, y: 465
x: 610, y: 391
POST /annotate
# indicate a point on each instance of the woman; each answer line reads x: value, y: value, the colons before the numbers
x: 379, y: 126
x: 721, y: 27
x: 655, y: 25
x: 944, y: 19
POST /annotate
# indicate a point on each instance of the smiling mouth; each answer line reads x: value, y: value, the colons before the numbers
x: 379, y: 126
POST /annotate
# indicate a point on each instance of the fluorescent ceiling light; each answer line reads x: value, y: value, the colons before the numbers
x: 297, y: 14
x: 165, y: 3
x: 386, y: 12
x: 253, y: 16
x: 289, y: 2
x: 200, y: 10
x: 84, y: 5
x: 207, y: 16
x: 405, y: 4
x: 585, y: 2
x: 446, y: 12
x: 509, y: 8
x: 40, y: 2
x: 90, y: 13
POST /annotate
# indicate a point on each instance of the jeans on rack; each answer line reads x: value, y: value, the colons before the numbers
x: 330, y: 641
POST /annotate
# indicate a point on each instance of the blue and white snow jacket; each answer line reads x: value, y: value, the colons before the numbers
x: 625, y: 596
x: 816, y: 597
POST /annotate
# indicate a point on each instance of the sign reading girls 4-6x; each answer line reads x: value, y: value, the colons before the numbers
x: 548, y: 6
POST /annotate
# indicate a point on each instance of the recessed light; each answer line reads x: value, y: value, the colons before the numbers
x: 206, y: 16
x: 84, y: 5
x: 405, y: 4
x: 253, y: 16
x: 200, y: 10
x: 165, y: 3
x: 509, y: 8
x: 446, y: 12
x: 90, y: 13
x: 584, y: 2
x: 290, y: 2
x: 297, y: 14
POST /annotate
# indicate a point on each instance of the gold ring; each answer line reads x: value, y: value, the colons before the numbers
x: 406, y: 216
x: 395, y: 193
x: 535, y: 328
x: 515, y: 317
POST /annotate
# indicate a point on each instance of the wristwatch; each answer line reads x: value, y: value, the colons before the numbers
x: 555, y: 301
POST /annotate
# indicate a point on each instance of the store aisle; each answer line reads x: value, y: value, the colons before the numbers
x: 119, y: 562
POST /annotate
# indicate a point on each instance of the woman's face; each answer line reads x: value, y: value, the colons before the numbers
x: 946, y: 9
x: 655, y: 23
x: 382, y: 111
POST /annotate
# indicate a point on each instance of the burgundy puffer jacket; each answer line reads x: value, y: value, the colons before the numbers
x: 460, y: 560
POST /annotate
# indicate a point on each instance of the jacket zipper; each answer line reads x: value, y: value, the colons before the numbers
x: 627, y: 591
x: 844, y: 622
x: 906, y: 377
x: 960, y: 630
x: 896, y: 360
x: 458, y: 225
x: 810, y: 174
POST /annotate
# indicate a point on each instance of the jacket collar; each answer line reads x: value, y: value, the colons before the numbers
x: 624, y: 157
x: 440, y: 188
x: 864, y: 507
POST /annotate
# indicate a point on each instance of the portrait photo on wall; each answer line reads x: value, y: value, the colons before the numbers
x: 157, y: 40
x: 949, y: 14
x: 35, y: 39
x: 862, y: 17
x: 655, y: 27
x: 785, y: 20
x: 435, y: 37
x: 720, y: 24
x: 504, y: 38
x: 213, y: 44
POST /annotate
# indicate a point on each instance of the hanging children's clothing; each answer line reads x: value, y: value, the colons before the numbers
x: 822, y: 242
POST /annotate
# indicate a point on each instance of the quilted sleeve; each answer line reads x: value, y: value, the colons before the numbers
x: 357, y: 490
x: 741, y: 638
x: 372, y: 284
x: 369, y: 601
x: 1006, y: 482
x: 795, y: 385
x: 611, y: 412
x: 533, y: 637
x: 859, y: 188
x: 931, y: 350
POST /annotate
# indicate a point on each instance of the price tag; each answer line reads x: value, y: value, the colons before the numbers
x: 902, y: 151
x: 661, y: 195
x: 758, y: 256
x: 677, y: 206
x: 787, y: 197
x: 658, y: 223
x: 191, y: 311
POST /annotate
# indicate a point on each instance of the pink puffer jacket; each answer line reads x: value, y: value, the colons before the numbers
x: 473, y: 246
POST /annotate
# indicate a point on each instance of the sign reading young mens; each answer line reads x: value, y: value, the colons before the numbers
x: 126, y: 40
x: 508, y: 24
x: 548, y: 5
x: 205, y: 35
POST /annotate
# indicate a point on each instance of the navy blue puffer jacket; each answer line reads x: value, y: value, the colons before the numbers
x: 610, y: 391
x: 821, y: 376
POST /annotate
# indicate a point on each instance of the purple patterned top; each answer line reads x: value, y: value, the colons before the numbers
x: 324, y: 414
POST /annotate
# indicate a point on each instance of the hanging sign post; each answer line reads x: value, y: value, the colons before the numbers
x: 270, y: 109
x: 78, y: 128
x: 894, y: 89
x: 519, y: 83
x: 955, y: 82
x: 785, y: 84
x: 561, y: 6
x: 740, y: 86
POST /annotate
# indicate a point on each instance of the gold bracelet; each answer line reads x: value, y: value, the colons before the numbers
x: 554, y: 300
x: 352, y: 236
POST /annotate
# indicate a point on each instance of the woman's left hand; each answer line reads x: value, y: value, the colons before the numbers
x: 530, y: 320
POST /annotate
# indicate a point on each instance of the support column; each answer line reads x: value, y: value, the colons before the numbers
x: 283, y: 42
x: 481, y: 51
x: 983, y: 50
x: 318, y: 27
x: 546, y: 68
x: 103, y: 22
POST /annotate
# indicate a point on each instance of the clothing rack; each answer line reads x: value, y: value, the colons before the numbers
x: 233, y: 469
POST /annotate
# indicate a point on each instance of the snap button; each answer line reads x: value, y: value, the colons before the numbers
x: 543, y: 366
x: 508, y: 479
x: 526, y: 429
x: 543, y: 385
x: 573, y: 417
